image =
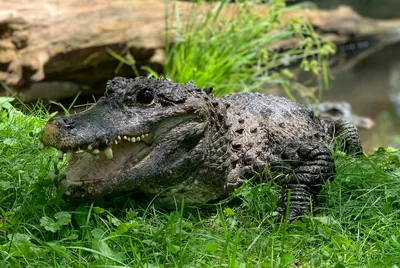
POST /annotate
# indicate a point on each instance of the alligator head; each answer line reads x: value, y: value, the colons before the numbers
x: 141, y: 131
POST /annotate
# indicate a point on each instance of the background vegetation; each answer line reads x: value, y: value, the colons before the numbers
x: 357, y: 223
x: 243, y: 54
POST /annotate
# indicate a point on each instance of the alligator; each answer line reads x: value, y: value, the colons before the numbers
x: 175, y: 141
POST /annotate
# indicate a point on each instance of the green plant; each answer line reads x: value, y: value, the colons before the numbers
x: 238, y: 55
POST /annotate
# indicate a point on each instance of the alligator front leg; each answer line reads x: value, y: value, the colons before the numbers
x: 306, y: 166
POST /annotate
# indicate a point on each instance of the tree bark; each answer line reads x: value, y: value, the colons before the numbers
x: 53, y: 49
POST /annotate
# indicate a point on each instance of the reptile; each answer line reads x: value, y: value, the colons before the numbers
x: 175, y: 141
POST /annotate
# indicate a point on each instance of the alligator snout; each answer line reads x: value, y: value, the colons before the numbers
x: 51, y: 131
x: 59, y: 133
x: 63, y: 121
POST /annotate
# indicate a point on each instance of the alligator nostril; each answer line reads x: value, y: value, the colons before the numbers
x: 67, y: 122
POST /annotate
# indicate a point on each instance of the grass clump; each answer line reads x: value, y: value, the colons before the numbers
x: 357, y: 224
x: 240, y: 54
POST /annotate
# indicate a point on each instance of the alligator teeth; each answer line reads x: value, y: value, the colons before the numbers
x: 131, y: 139
x: 108, y: 152
x: 69, y: 155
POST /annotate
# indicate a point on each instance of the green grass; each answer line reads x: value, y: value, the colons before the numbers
x: 242, y: 54
x: 357, y: 226
x: 239, y: 55
x: 358, y: 219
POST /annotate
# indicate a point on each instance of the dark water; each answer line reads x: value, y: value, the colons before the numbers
x: 369, y: 89
x: 373, y: 85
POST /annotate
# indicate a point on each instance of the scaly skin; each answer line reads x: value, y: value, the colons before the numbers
x: 192, y: 145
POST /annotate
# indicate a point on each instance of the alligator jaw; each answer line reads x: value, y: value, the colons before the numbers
x: 94, y: 169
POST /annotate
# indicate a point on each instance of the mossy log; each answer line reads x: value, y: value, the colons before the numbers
x: 54, y: 49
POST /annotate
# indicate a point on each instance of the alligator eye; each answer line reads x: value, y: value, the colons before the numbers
x: 145, y: 96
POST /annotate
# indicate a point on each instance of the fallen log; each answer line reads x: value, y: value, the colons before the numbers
x: 55, y: 49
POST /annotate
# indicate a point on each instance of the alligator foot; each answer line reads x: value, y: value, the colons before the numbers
x: 346, y: 134
x: 307, y: 167
x: 296, y: 201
